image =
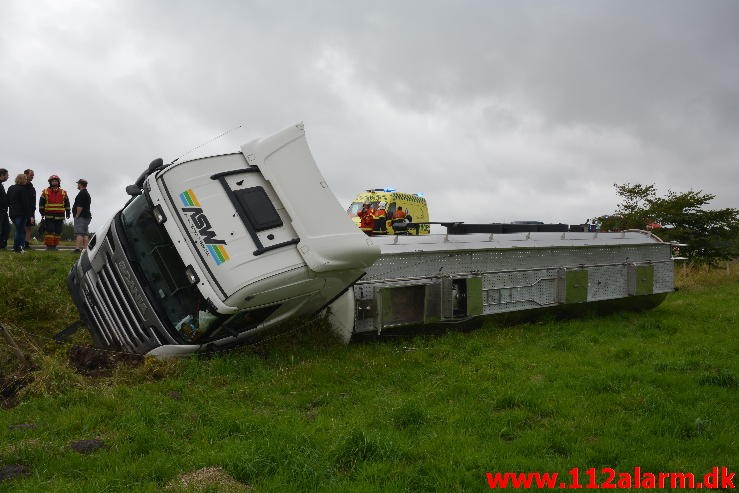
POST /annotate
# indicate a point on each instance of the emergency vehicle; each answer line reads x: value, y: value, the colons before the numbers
x: 212, y: 252
x: 414, y: 205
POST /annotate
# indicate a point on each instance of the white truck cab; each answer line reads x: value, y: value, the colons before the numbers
x: 214, y: 250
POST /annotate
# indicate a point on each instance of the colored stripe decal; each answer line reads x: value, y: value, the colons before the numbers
x: 215, y: 256
x: 218, y: 253
x: 188, y: 198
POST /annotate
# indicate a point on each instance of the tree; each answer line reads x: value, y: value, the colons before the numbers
x: 710, y: 235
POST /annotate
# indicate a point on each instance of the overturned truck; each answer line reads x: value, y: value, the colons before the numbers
x: 212, y: 252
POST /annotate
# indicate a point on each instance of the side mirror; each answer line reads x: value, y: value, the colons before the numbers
x: 133, y: 190
x: 155, y: 165
x: 158, y: 163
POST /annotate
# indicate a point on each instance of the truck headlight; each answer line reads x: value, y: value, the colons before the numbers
x: 192, y: 277
x: 159, y: 216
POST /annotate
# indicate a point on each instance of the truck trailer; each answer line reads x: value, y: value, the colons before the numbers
x: 211, y: 252
x: 456, y: 277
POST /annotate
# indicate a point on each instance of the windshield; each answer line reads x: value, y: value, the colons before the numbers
x: 354, y: 209
x: 164, y: 271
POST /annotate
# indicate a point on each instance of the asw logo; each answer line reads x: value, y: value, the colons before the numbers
x: 202, y: 225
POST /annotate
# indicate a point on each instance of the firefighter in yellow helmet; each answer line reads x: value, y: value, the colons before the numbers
x: 54, y: 207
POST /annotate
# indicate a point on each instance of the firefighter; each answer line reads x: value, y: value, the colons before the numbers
x: 380, y: 216
x: 366, y: 218
x: 54, y: 207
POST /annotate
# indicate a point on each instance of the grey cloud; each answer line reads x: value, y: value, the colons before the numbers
x: 496, y: 110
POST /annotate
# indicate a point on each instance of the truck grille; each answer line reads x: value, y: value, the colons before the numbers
x: 119, y: 323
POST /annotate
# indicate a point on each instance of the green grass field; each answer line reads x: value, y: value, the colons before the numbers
x: 656, y: 389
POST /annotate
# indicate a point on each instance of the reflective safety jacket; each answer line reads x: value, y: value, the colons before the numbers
x: 380, y: 213
x: 366, y: 219
x: 54, y: 203
x: 399, y: 214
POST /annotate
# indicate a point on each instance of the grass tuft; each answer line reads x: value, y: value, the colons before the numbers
x: 358, y: 448
x: 719, y: 378
x: 52, y: 378
x: 513, y: 401
x: 409, y: 416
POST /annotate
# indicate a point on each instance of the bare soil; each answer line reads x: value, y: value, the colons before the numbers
x: 93, y: 362
x: 208, y: 479
x: 13, y: 471
x: 87, y: 446
x: 9, y: 388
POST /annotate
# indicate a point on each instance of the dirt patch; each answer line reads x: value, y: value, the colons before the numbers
x: 14, y: 471
x: 9, y: 388
x: 87, y: 446
x: 94, y: 362
x: 206, y: 479
x: 23, y: 426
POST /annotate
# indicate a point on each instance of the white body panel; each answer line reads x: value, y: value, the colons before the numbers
x: 220, y: 280
x: 328, y: 238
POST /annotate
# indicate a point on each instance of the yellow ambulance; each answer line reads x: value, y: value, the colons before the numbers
x: 414, y: 205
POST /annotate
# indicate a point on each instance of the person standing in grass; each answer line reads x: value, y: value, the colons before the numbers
x: 31, y: 221
x: 4, y: 221
x: 54, y: 206
x: 20, y: 210
x: 82, y: 216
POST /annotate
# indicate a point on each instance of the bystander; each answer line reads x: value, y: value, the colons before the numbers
x: 82, y: 216
x: 4, y: 221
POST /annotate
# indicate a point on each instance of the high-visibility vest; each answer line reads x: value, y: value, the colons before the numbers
x: 54, y: 202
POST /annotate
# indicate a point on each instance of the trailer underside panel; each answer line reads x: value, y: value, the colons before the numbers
x: 450, y: 279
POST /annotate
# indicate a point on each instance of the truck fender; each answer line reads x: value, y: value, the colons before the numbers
x: 341, y: 316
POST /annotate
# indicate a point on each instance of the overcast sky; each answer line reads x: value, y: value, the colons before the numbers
x: 495, y: 110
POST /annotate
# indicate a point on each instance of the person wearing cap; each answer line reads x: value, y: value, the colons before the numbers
x: 82, y: 216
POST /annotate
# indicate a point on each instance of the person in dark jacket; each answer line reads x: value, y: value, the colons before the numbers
x: 4, y: 221
x: 20, y: 210
x: 31, y: 221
